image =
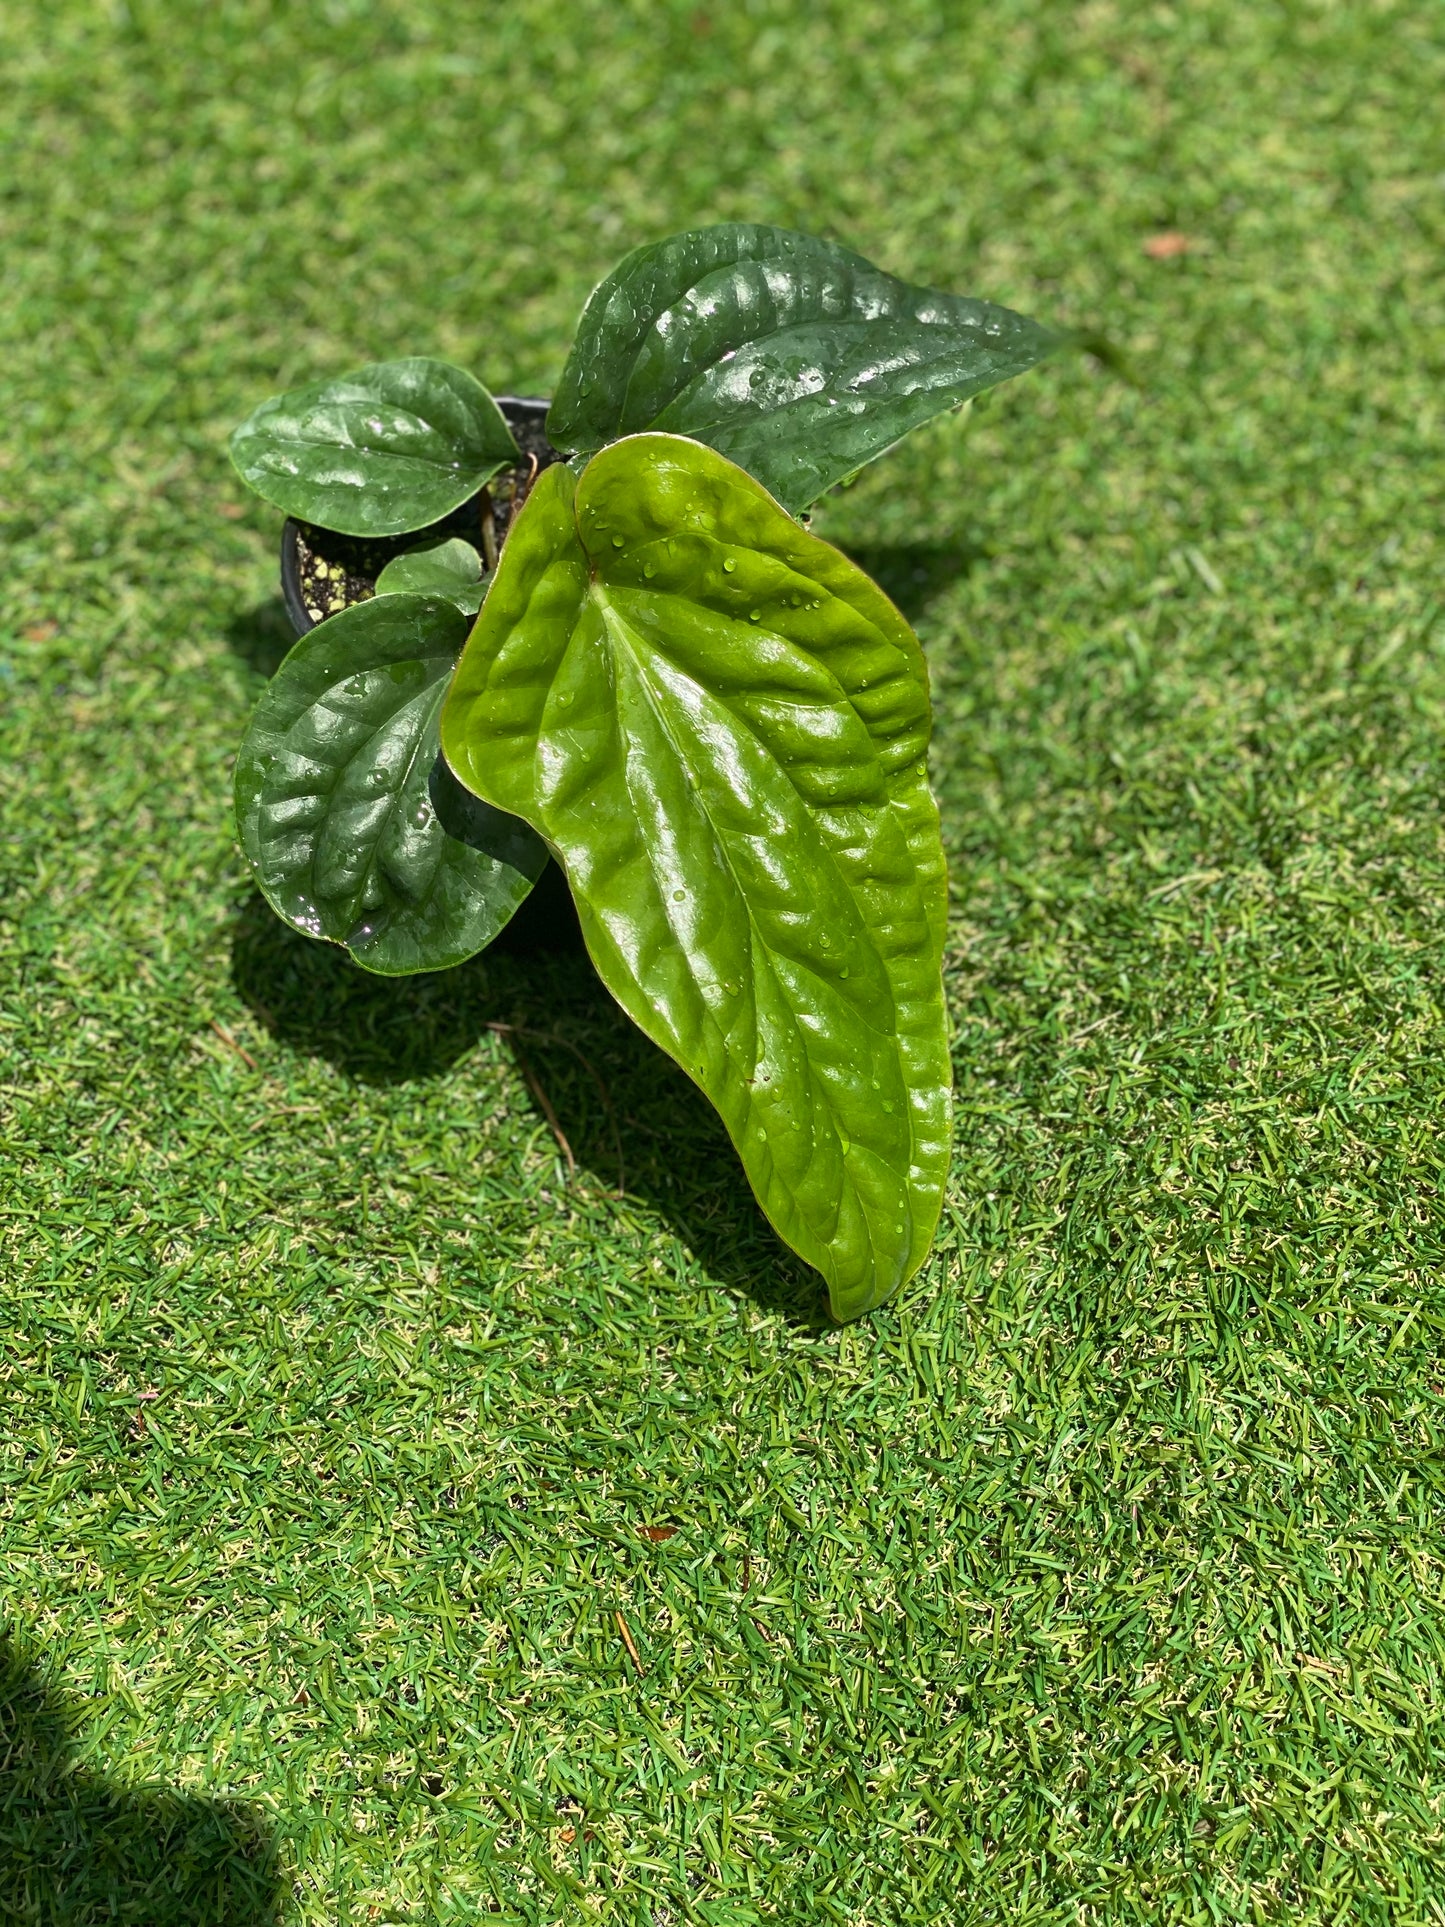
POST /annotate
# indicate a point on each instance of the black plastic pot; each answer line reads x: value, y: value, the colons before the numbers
x: 547, y: 920
x: 355, y: 561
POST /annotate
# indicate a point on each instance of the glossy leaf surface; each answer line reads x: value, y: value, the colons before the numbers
x: 392, y: 447
x: 452, y: 569
x: 355, y: 827
x: 794, y: 357
x: 720, y: 725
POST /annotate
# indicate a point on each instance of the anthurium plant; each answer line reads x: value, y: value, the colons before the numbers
x: 648, y: 667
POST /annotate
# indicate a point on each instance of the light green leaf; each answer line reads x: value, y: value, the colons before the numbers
x: 353, y: 823
x: 794, y: 357
x: 392, y: 447
x: 452, y: 569
x: 720, y: 726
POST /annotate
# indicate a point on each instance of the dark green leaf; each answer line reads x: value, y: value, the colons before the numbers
x: 795, y: 358
x: 355, y: 826
x: 720, y: 725
x: 452, y: 569
x: 390, y: 448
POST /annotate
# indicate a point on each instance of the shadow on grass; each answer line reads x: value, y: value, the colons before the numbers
x: 634, y: 1122
x: 262, y: 636
x: 78, y: 1852
x: 914, y: 574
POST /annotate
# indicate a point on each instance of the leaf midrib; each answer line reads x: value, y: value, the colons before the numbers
x: 845, y: 696
x: 845, y: 322
x: 365, y: 448
x: 758, y: 941
x: 744, y: 417
x: 433, y: 694
x: 761, y: 262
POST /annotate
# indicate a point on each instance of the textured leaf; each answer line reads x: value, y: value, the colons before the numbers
x: 795, y: 358
x: 452, y: 569
x: 720, y: 726
x: 355, y: 827
x: 390, y: 448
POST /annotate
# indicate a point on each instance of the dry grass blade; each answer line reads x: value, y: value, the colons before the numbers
x: 628, y: 1642
x: 239, y: 1048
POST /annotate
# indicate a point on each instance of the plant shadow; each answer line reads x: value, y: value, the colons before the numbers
x: 262, y: 637
x: 632, y: 1121
x: 76, y: 1851
x: 914, y: 574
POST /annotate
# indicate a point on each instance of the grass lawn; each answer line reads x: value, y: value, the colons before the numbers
x: 397, y: 1526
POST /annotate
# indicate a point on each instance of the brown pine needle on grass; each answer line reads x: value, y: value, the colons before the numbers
x: 628, y: 1642
x: 239, y: 1048
x: 534, y: 1085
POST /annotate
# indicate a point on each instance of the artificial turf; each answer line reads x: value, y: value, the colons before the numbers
x: 400, y: 1526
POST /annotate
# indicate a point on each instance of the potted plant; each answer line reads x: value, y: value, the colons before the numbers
x: 608, y: 635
